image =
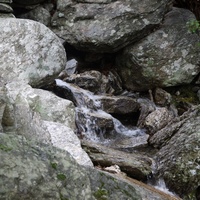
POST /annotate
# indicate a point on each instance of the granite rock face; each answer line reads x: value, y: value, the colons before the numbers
x: 42, y: 116
x: 178, y: 159
x: 30, y: 52
x: 167, y: 57
x: 106, y: 26
x: 37, y: 171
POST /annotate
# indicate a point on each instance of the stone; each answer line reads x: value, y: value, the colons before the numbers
x: 36, y: 171
x: 94, y: 125
x: 64, y: 137
x: 157, y: 120
x: 4, y: 8
x: 119, y: 104
x: 71, y: 66
x: 96, y: 82
x: 133, y: 164
x: 30, y: 52
x: 42, y: 116
x: 6, y: 15
x: 38, y: 14
x: 2, y: 102
x: 162, y: 98
x: 146, y: 107
x: 162, y: 59
x: 106, y: 26
x: 178, y: 158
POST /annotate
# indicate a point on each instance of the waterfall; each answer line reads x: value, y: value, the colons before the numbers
x: 95, y: 124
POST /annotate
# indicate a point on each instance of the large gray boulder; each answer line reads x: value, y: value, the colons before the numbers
x: 178, y: 159
x: 30, y: 52
x: 36, y: 171
x: 42, y: 116
x: 106, y: 26
x: 166, y: 57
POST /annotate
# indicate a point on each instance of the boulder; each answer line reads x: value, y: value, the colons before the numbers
x: 42, y: 116
x: 5, y: 8
x: 157, y: 120
x: 94, y: 125
x: 38, y: 14
x: 80, y: 97
x: 30, y: 52
x: 167, y: 57
x: 97, y: 82
x: 37, y: 171
x: 106, y: 26
x: 134, y: 165
x: 162, y: 98
x: 178, y: 159
x: 119, y: 104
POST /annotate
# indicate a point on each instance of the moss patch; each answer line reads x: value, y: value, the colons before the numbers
x: 61, y: 177
x: 5, y: 148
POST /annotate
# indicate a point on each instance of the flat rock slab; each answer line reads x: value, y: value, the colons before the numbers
x: 134, y: 165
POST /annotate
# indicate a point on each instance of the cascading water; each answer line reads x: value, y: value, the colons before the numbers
x: 98, y: 126
x: 95, y: 124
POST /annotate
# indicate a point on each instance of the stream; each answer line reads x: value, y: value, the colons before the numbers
x: 96, y: 125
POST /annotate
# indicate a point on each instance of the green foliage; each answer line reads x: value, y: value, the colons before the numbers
x: 61, y: 177
x: 54, y: 165
x: 101, y: 194
x: 193, y: 25
x: 5, y: 148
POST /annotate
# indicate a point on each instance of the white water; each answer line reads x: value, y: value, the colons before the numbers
x: 160, y: 185
x: 89, y: 105
x: 160, y: 182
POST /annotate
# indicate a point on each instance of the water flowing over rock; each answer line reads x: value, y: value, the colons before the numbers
x: 166, y: 57
x: 92, y: 121
x: 106, y: 26
x: 30, y: 52
x: 178, y: 158
x: 96, y: 82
